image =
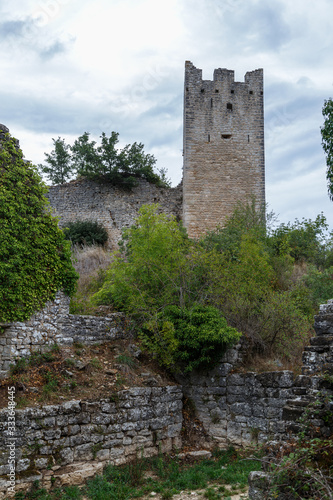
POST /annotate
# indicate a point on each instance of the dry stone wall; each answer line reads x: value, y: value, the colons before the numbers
x: 223, y: 146
x: 114, y: 208
x: 54, y: 324
x: 65, y: 444
x: 242, y: 408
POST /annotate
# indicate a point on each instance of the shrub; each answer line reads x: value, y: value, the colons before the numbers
x: 201, y: 334
x: 86, y: 233
x: 320, y: 284
x: 35, y: 258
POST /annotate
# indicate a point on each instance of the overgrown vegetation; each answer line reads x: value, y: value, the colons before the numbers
x: 35, y: 258
x: 327, y: 143
x: 220, y: 477
x: 103, y: 162
x: 243, y: 272
x: 302, y: 468
x: 86, y: 232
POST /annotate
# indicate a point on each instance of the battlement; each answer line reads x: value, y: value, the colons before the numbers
x: 253, y: 80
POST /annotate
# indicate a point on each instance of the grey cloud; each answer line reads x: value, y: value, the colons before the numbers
x: 12, y: 28
x: 246, y: 25
x: 57, y: 47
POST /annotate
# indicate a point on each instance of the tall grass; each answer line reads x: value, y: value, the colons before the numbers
x: 90, y: 262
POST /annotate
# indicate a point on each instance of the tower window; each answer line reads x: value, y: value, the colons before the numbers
x: 248, y: 138
x: 216, y: 91
x: 208, y: 137
x: 226, y: 136
x: 261, y: 93
x: 229, y: 106
x: 251, y: 92
x: 211, y: 102
x: 202, y: 91
x: 186, y: 89
x: 232, y: 91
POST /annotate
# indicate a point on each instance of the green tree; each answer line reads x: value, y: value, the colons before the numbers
x: 59, y: 165
x: 102, y: 162
x: 327, y: 143
x: 34, y: 255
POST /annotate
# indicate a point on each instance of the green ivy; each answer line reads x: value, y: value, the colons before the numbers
x: 34, y: 255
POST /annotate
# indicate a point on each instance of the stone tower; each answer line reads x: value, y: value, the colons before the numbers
x: 224, y: 157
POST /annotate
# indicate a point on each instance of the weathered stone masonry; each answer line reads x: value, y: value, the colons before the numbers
x: 240, y: 408
x: 54, y: 324
x: 223, y: 162
x: 223, y: 146
x: 114, y: 208
x: 69, y: 442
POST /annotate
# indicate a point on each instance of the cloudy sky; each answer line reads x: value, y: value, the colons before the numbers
x: 70, y: 66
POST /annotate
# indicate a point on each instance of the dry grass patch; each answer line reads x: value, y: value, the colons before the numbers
x: 90, y: 262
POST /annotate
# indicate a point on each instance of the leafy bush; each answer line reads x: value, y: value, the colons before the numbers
x: 235, y: 271
x: 35, y: 258
x: 202, y: 334
x: 86, y: 233
x: 320, y: 284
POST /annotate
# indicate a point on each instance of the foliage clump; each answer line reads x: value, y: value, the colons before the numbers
x: 104, y: 162
x: 243, y: 273
x: 35, y: 257
x: 327, y: 143
x: 86, y: 232
x: 156, y: 280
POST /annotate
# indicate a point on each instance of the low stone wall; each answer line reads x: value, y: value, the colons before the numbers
x: 307, y: 388
x: 64, y: 444
x: 112, y: 207
x: 240, y: 408
x: 52, y: 325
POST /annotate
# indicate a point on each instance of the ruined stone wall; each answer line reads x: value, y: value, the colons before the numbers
x: 223, y: 146
x: 65, y: 444
x: 54, y: 324
x: 241, y: 408
x: 114, y: 208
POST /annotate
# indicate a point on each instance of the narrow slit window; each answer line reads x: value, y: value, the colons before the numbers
x: 248, y: 138
x: 211, y: 102
x: 208, y: 137
x: 229, y: 106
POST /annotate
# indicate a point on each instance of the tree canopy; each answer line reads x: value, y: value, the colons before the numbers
x: 120, y: 167
x: 327, y: 142
x: 35, y: 258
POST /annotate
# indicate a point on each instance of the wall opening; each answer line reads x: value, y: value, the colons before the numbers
x: 248, y: 138
x: 251, y: 92
x: 232, y: 91
x: 216, y: 91
x: 186, y: 89
x: 211, y: 102
x: 229, y: 106
x: 208, y: 137
x: 226, y: 136
x: 202, y: 91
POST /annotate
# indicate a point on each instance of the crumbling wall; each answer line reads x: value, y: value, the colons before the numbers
x: 112, y: 207
x: 54, y: 324
x: 66, y: 443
